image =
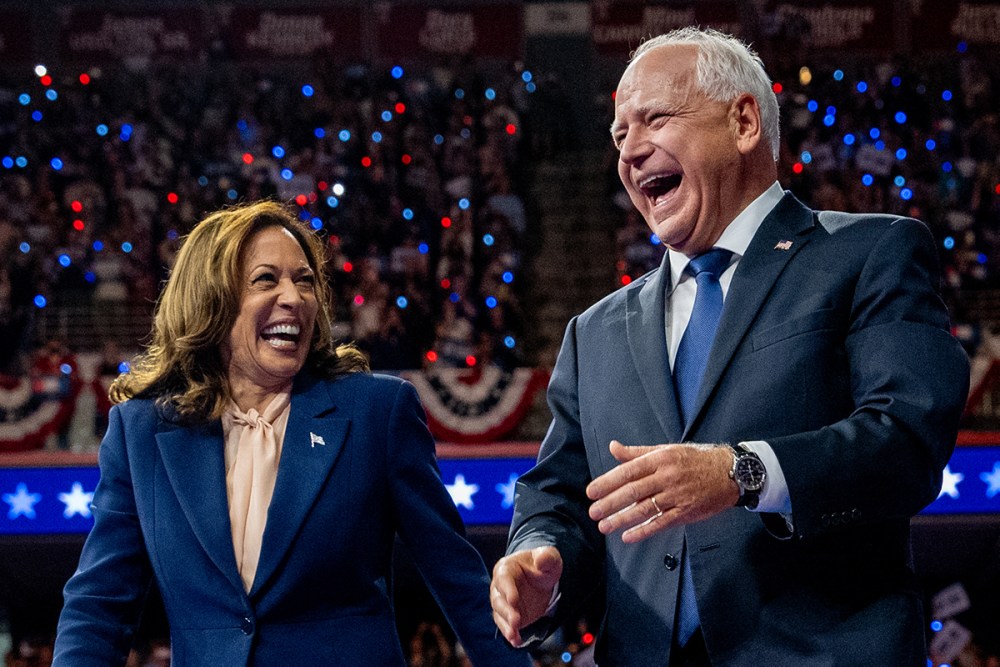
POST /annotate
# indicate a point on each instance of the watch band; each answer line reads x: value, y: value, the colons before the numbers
x: 749, y: 473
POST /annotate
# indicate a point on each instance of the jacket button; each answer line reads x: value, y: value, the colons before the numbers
x: 247, y: 626
x: 670, y: 562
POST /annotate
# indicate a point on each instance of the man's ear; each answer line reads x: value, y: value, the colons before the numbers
x: 745, y: 119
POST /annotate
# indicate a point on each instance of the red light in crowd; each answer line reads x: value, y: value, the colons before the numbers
x: 322, y: 185
x: 511, y: 129
x: 366, y: 162
x: 587, y: 638
x: 301, y: 200
x: 470, y: 360
x: 445, y: 283
x: 359, y: 300
x: 467, y: 120
x: 997, y: 189
x: 76, y: 205
x: 400, y: 107
x: 626, y: 279
x: 797, y: 167
x: 312, y: 197
x: 614, y: 94
x: 85, y: 78
x: 78, y: 225
x: 777, y: 88
x: 247, y: 158
x: 172, y: 197
x: 446, y: 222
x: 46, y: 80
x: 348, y: 267
x: 406, y: 159
x: 432, y: 356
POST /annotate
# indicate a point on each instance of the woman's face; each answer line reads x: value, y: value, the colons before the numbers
x: 270, y: 338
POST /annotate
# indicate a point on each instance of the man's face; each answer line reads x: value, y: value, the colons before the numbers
x: 678, y: 157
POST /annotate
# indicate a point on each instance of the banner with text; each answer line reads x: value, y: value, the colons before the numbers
x: 98, y: 35
x: 331, y: 32
x: 619, y: 26
x: 942, y: 25
x: 485, y: 31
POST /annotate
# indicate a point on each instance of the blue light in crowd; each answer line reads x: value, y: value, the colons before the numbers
x: 936, y: 625
x: 52, y: 95
x: 463, y: 203
x: 862, y: 86
x: 899, y: 181
x: 402, y: 302
x: 36, y: 116
x: 278, y: 152
x: 65, y: 369
x: 867, y: 180
x: 488, y: 239
x: 831, y: 110
x: 949, y: 243
x: 124, y: 367
x: 303, y: 214
x: 332, y: 202
x: 900, y: 153
x: 806, y: 157
x: 654, y: 239
x: 509, y: 342
x: 490, y: 94
x: 126, y: 247
x: 896, y: 82
x: 453, y: 297
x: 530, y: 86
x: 308, y: 90
x: 946, y: 167
x: 906, y: 194
x: 102, y: 130
x: 386, y: 115
x: 946, y: 95
x: 900, y: 117
x: 126, y: 129
x: 8, y: 162
x: 397, y: 72
x: 90, y: 277
x: 567, y: 657
x: 344, y: 135
x: 459, y: 94
x: 319, y: 133
x: 203, y: 180
x: 849, y: 139
x: 982, y: 258
x: 172, y: 234
x: 287, y: 174
x: 64, y: 259
x: 56, y: 163
x: 829, y: 120
x: 874, y: 133
x: 98, y: 245
x: 241, y: 125
x: 930, y: 144
x: 316, y: 224
x: 812, y: 105
x: 438, y: 139
x: 25, y: 247
x: 232, y: 194
x: 507, y: 277
x: 21, y: 161
x: 423, y: 248
x: 526, y: 76
x: 880, y: 145
x: 491, y: 302
x: 838, y: 75
x: 377, y: 137
x: 40, y: 301
x: 408, y: 214
x: 962, y: 47
x: 24, y: 99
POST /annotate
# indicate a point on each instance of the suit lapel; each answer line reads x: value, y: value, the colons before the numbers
x: 755, y: 277
x: 313, y: 441
x: 645, y: 327
x: 195, y: 466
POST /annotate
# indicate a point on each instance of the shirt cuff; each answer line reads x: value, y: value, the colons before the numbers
x: 774, y: 496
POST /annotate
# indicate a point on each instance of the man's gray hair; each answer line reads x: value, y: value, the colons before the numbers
x: 726, y: 68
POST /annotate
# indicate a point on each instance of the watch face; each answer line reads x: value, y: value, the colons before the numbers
x: 750, y: 473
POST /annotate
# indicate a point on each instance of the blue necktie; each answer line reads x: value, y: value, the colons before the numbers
x: 689, y: 367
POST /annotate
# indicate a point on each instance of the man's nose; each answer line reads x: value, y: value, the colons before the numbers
x: 635, y: 147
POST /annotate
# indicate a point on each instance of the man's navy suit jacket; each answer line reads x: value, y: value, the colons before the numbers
x: 834, y: 347
x: 357, y: 467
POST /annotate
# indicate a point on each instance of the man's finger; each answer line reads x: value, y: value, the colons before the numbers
x: 623, y: 453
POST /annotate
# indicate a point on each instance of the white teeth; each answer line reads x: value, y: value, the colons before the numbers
x: 649, y: 179
x: 288, y: 329
x: 282, y: 344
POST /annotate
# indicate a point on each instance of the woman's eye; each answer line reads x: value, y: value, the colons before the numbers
x: 264, y: 278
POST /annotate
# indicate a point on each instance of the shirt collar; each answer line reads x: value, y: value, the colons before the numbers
x: 737, y: 235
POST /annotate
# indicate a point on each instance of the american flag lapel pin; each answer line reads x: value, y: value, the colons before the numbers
x: 782, y: 245
x: 315, y: 440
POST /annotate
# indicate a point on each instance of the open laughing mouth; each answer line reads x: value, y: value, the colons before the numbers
x: 658, y: 187
x: 282, y: 336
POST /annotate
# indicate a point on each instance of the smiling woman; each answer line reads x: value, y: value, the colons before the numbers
x: 259, y: 475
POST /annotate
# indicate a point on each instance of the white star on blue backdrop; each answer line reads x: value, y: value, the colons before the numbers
x: 950, y: 482
x: 21, y: 503
x: 507, y: 491
x: 992, y: 479
x: 461, y: 493
x: 77, y: 501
